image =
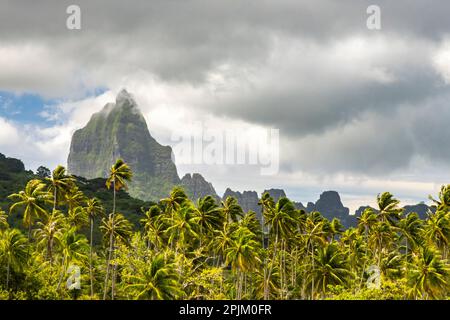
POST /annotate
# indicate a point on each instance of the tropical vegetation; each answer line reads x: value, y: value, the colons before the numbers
x: 183, y: 249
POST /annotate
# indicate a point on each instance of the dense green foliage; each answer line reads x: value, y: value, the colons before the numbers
x: 14, y: 177
x: 209, y: 250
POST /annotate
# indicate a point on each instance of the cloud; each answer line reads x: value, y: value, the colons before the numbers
x: 347, y: 101
x: 9, y: 135
x: 441, y: 60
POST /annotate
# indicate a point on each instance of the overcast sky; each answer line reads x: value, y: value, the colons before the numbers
x: 359, y: 111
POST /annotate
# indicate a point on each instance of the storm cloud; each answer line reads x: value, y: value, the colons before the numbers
x: 347, y: 100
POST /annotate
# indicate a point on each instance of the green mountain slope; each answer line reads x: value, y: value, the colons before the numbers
x: 120, y: 131
x: 13, y: 178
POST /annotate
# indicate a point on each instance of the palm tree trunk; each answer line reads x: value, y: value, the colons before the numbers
x: 306, y: 256
x: 7, y: 275
x: 280, y: 263
x: 105, y: 289
x: 240, y: 277
x: 111, y: 240
x: 201, y: 235
x: 294, y: 267
x: 245, y: 284
x: 445, y: 253
x: 365, y: 255
x: 379, y: 253
x: 54, y: 199
x: 266, y: 282
x: 62, y: 272
x: 282, y: 268
x: 312, y: 257
x: 265, y: 294
x: 50, y: 250
x: 90, y: 258
x: 113, y: 280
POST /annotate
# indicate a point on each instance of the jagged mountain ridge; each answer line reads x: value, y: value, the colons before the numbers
x: 421, y: 209
x: 248, y: 200
x: 329, y: 204
x: 119, y: 130
x: 197, y: 187
x: 14, y: 176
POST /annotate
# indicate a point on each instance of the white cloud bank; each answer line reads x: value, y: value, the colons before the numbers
x: 359, y: 112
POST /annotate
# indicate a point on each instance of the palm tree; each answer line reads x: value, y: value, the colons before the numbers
x: 251, y: 222
x: 175, y: 200
x: 315, y: 233
x: 208, y: 215
x: 437, y: 230
x: 118, y: 230
x: 281, y: 219
x: 154, y: 226
x: 330, y: 268
x: 59, y: 184
x: 93, y: 208
x: 354, y: 246
x: 157, y: 281
x: 119, y: 175
x: 77, y: 217
x: 118, y: 227
x: 50, y: 230
x: 336, y: 228
x: 411, y: 229
x: 381, y: 239
x: 231, y: 209
x: 366, y: 222
x: 242, y: 255
x: 391, y: 265
x: 33, y: 200
x: 182, y: 226
x: 13, y: 251
x: 74, y: 249
x: 282, y: 223
x: 268, y: 205
x: 3, y: 219
x: 429, y: 275
x: 443, y: 204
x: 267, y: 284
x: 74, y: 198
x: 388, y: 208
x: 222, y: 240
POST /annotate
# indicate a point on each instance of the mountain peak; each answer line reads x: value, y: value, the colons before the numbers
x: 276, y: 194
x: 125, y: 98
x: 120, y: 131
x: 197, y: 187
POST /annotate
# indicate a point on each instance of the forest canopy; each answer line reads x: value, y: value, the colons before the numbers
x: 180, y: 249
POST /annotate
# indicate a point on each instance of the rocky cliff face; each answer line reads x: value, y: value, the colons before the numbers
x: 330, y: 203
x: 248, y: 200
x: 197, y: 187
x: 330, y: 206
x: 276, y: 194
x: 299, y: 205
x: 421, y: 209
x: 361, y: 209
x: 120, y: 131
